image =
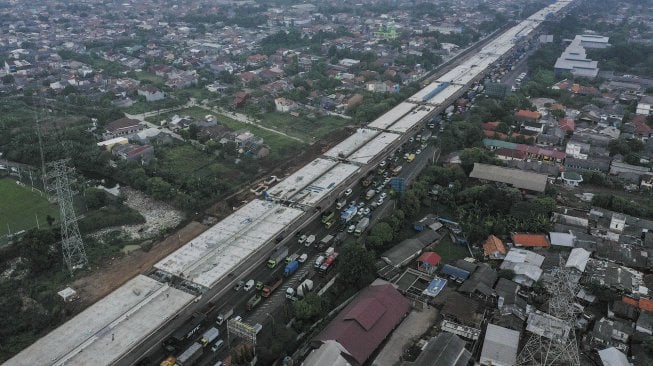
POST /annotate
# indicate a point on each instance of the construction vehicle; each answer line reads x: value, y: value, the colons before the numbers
x: 190, y: 355
x: 291, y: 268
x: 224, y: 316
x: 277, y: 256
x: 252, y: 302
x: 209, y: 336
x: 272, y: 285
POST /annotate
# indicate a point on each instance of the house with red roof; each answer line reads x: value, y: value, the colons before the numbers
x: 568, y: 124
x: 362, y: 326
x: 527, y: 116
x: 428, y: 262
x: 494, y: 248
x: 530, y: 240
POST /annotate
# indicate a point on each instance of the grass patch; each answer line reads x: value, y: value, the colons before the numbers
x: 449, y: 251
x: 112, y: 215
x: 303, y: 127
x: 184, y: 161
x: 281, y: 146
x: 19, y: 207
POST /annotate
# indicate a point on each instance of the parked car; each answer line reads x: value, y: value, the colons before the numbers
x: 383, y: 195
x: 379, y: 202
x: 348, y: 192
x: 351, y: 228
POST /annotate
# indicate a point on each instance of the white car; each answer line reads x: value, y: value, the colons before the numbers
x: 302, y: 258
x: 379, y: 202
x: 351, y: 228
x: 238, y: 318
x: 302, y: 239
x: 366, y: 211
x: 309, y: 240
x: 361, y: 204
x: 383, y: 195
x: 348, y: 192
x: 419, y: 151
x: 382, y: 164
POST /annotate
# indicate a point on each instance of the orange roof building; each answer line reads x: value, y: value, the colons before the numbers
x: 494, y: 248
x: 642, y: 304
x: 530, y: 240
x: 526, y: 115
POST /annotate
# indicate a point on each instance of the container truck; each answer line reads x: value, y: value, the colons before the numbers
x: 361, y: 226
x: 190, y: 355
x: 348, y: 214
x: 252, y: 302
x: 324, y: 242
x: 291, y: 257
x: 271, y: 286
x: 370, y: 194
x: 291, y: 268
x: 277, y: 256
x: 328, y: 264
x: 185, y: 332
x: 224, y: 316
x: 209, y: 336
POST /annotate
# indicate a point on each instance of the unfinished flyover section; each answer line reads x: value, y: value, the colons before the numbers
x: 203, y: 266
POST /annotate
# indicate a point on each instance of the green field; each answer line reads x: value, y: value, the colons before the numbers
x: 304, y: 127
x: 19, y: 207
x: 281, y: 146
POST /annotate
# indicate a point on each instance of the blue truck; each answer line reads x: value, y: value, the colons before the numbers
x: 291, y: 268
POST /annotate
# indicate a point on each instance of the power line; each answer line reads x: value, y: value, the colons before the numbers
x: 60, y: 178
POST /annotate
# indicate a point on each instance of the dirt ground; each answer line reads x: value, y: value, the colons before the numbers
x: 119, y: 270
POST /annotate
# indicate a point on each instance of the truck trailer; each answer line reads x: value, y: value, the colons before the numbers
x: 184, y: 332
x: 224, y: 316
x: 277, y: 256
x: 291, y: 268
x: 190, y: 355
x: 209, y: 336
x: 271, y: 286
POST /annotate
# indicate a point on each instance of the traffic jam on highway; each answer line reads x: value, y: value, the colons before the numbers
x: 280, y: 245
x: 202, y: 340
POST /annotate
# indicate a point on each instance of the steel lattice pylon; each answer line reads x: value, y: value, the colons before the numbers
x: 59, y: 179
x: 548, y: 350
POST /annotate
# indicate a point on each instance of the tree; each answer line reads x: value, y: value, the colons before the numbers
x: 383, y: 231
x: 95, y: 198
x: 39, y: 248
x: 308, y: 308
x: 356, y: 265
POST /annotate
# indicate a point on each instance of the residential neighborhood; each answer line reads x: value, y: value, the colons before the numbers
x: 423, y: 183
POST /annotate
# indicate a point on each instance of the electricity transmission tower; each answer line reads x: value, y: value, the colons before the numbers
x: 553, y: 340
x: 60, y: 180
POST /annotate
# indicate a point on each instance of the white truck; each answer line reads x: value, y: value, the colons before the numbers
x: 304, y: 288
x: 361, y: 226
x: 209, y: 336
x: 224, y: 316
